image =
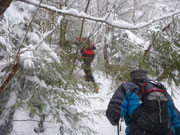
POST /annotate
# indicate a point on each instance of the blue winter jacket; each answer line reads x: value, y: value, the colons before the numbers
x: 126, y: 99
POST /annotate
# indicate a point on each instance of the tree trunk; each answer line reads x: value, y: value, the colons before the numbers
x: 105, y: 53
x: 4, y: 4
x: 82, y: 25
x: 63, y: 27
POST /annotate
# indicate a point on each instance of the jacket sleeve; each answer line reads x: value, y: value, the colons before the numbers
x: 117, y: 106
x: 174, y: 116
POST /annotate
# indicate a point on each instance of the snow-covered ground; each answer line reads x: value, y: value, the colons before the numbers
x: 103, y: 126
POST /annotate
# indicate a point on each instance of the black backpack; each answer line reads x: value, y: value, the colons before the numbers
x: 155, y: 103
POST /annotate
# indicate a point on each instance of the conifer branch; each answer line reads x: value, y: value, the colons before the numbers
x: 16, y: 66
x: 150, y: 46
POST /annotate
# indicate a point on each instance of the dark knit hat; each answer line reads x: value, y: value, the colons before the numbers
x: 138, y: 74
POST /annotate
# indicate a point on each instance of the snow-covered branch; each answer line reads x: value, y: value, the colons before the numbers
x: 114, y: 23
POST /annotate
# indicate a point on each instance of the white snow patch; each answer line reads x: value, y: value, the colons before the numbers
x: 33, y: 37
x: 59, y: 20
x: 23, y: 124
x: 36, y: 80
x: 133, y: 38
x: 110, y: 19
x: 2, y: 40
x: 45, y: 47
x: 12, y: 100
x: 146, y: 45
x: 27, y: 56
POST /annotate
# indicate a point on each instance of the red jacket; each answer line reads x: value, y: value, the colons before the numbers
x: 87, y: 51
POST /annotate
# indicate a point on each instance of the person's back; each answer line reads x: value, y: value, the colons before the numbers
x: 128, y: 102
x: 87, y: 54
x: 87, y: 49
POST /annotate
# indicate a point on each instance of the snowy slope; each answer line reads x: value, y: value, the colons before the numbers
x: 103, y: 126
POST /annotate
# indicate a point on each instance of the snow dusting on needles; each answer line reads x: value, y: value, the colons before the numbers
x: 45, y: 48
x: 35, y: 79
x: 27, y: 56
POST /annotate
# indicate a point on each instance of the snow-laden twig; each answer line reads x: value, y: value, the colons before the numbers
x: 121, y: 24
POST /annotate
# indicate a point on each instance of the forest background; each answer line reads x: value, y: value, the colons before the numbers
x: 41, y: 80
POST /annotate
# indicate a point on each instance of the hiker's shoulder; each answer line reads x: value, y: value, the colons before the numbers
x: 128, y: 86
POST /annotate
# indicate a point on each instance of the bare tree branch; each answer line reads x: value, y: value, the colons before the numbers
x: 82, y: 25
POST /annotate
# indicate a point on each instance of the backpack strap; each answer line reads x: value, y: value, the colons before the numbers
x: 143, y: 88
x: 141, y: 84
x: 137, y: 113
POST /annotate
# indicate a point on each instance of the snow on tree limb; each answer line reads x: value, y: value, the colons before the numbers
x: 16, y: 65
x: 114, y: 23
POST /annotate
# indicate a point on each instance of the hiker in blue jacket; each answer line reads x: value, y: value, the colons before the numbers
x: 161, y: 117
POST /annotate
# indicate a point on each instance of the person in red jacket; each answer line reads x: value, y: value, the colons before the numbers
x: 88, y: 56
